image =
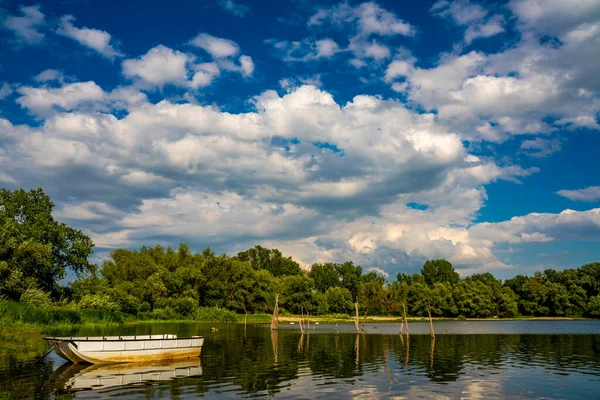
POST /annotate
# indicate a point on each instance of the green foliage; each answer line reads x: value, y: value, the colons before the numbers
x: 339, y: 300
x: 36, y: 250
x: 325, y: 276
x: 593, y: 307
x: 439, y: 271
x: 36, y: 298
x: 214, y: 314
x: 298, y: 292
x: 270, y: 260
x: 159, y: 283
x: 349, y: 277
x: 97, y: 302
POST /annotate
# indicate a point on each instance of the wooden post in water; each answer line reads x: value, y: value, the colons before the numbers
x: 307, y: 320
x: 430, y: 322
x: 404, y: 316
x: 356, y: 317
x: 275, y: 320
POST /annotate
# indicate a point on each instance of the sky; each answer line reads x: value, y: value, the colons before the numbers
x: 386, y: 133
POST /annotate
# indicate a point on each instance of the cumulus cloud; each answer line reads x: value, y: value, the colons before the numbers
x: 305, y: 50
x: 493, y: 96
x: 164, y: 66
x: 539, y: 147
x: 27, y: 27
x: 474, y: 17
x: 95, y: 39
x: 554, y: 16
x: 50, y: 75
x: 158, y: 67
x: 43, y: 101
x: 236, y: 9
x: 216, y: 47
x: 591, y: 193
x: 365, y: 21
x: 369, y: 18
x: 5, y: 90
x: 301, y: 172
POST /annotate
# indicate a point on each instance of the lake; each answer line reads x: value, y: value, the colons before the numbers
x: 474, y: 359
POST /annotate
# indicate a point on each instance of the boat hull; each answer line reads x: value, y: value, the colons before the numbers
x: 100, y: 357
x: 105, y: 350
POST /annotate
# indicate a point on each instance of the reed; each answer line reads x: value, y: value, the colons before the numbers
x: 18, y: 313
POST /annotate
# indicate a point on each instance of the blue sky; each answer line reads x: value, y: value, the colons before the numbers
x: 386, y: 133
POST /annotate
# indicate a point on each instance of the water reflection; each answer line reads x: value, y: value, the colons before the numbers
x: 74, y: 377
x: 255, y: 362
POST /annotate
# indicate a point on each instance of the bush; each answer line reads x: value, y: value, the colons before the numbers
x: 593, y: 307
x: 36, y: 298
x: 97, y: 302
x: 462, y: 318
x: 214, y: 314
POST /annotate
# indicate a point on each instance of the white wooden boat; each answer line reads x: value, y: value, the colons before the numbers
x: 101, y: 376
x: 118, y: 349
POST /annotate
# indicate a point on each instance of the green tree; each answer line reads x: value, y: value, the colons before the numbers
x: 339, y: 300
x: 271, y: 260
x: 35, y: 249
x: 370, y: 293
x: 325, y: 276
x: 439, y: 271
x: 350, y: 277
x: 297, y: 292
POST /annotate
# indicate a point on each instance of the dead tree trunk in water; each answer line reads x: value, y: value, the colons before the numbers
x: 430, y: 322
x: 356, y: 317
x: 275, y: 320
x: 404, y: 317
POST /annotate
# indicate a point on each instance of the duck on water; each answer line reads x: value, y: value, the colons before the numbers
x: 118, y: 349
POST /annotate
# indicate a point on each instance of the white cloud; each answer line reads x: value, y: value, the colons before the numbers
x: 190, y: 172
x: 43, y: 101
x: 204, y: 74
x: 474, y: 17
x: 369, y: 19
x: 365, y: 21
x: 554, y: 16
x: 462, y: 12
x: 492, y: 96
x: 490, y: 28
x: 50, y: 75
x: 306, y: 50
x: 541, y: 147
x: 5, y: 90
x: 231, y: 6
x: 591, y: 193
x: 380, y: 272
x: 158, y: 67
x: 216, y: 47
x: 95, y: 39
x: 246, y: 65
x: 26, y: 28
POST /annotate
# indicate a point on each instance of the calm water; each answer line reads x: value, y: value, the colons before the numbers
x: 480, y: 359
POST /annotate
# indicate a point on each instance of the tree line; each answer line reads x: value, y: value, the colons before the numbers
x: 158, y: 282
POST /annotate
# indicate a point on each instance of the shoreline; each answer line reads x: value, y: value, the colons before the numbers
x: 27, y: 338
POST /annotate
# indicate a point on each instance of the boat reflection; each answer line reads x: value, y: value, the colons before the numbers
x: 75, y: 377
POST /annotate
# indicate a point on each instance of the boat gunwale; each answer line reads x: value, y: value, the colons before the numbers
x: 86, y: 339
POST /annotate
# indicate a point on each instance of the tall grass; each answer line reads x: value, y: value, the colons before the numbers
x: 17, y: 313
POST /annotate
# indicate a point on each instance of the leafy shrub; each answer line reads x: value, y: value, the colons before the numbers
x: 97, y: 302
x: 215, y: 314
x: 593, y: 307
x: 462, y: 318
x: 36, y: 298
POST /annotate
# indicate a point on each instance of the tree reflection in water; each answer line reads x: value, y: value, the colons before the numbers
x: 258, y: 361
